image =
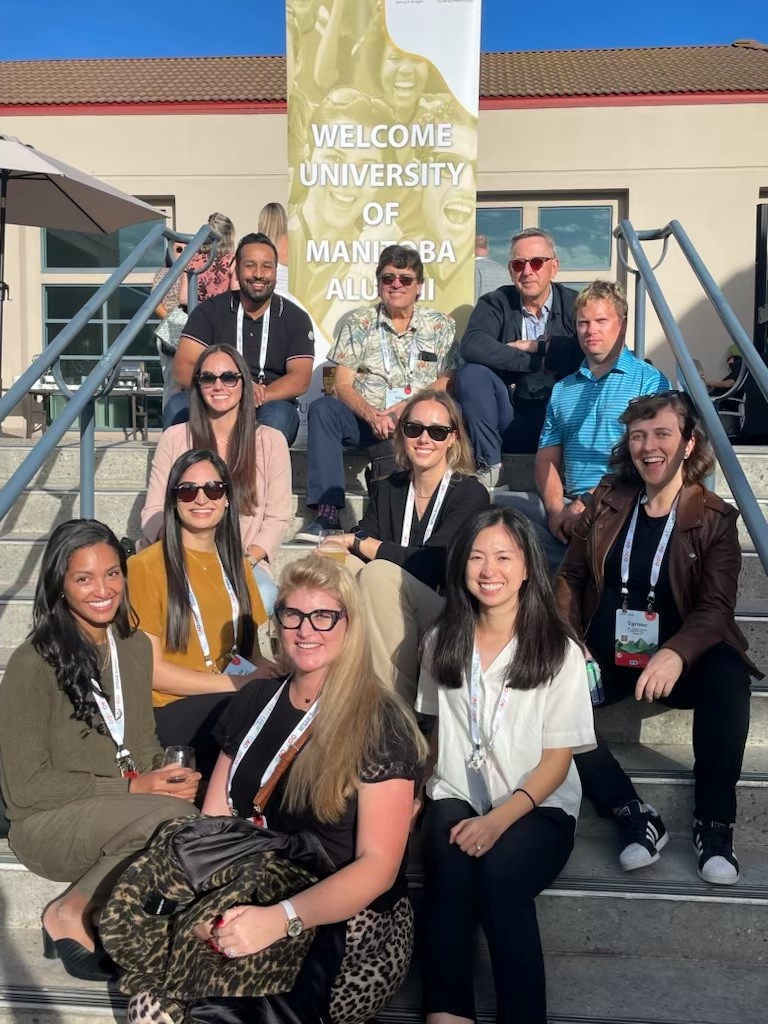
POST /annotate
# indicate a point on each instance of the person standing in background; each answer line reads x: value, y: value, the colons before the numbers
x: 273, y: 222
x: 489, y: 275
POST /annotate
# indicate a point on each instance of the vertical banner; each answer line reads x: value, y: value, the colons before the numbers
x: 382, y: 148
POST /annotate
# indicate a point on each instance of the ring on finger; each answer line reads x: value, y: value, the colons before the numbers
x: 231, y: 951
x: 478, y: 846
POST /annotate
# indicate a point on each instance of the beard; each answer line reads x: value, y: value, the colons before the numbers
x: 258, y: 296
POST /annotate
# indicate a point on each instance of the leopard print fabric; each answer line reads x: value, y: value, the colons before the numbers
x: 376, y: 961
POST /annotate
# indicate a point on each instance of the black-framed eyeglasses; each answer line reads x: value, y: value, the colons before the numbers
x: 535, y: 263
x: 212, y: 489
x: 437, y: 431
x: 321, y: 619
x: 406, y: 280
x: 206, y: 379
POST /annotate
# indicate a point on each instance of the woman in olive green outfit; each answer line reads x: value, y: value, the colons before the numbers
x: 77, y: 740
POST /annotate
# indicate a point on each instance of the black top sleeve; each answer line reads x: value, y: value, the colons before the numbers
x: 301, y: 338
x: 426, y: 562
x: 201, y: 324
x: 484, y: 340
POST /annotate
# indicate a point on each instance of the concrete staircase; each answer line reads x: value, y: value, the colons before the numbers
x: 657, y: 945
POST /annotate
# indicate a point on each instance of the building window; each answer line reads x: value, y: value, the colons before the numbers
x: 62, y: 301
x: 582, y: 229
x: 71, y: 251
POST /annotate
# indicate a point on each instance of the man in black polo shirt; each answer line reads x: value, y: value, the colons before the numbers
x: 274, y: 335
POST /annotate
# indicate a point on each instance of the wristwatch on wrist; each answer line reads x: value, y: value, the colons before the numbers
x: 294, y: 926
x: 360, y: 535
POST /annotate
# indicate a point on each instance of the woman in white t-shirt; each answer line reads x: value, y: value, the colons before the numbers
x: 509, y: 688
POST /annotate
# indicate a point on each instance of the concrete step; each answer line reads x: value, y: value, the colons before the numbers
x: 581, y: 989
x: 663, y: 776
x: 593, y: 908
x: 754, y: 461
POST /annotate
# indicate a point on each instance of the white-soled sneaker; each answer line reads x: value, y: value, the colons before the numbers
x: 489, y: 476
x: 642, y: 833
x: 713, y: 842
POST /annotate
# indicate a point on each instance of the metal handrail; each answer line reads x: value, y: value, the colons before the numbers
x: 726, y: 457
x: 81, y: 403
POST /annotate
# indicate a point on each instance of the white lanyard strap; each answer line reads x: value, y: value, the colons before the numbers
x: 410, y: 501
x: 261, y: 377
x: 114, y: 721
x: 386, y: 355
x: 479, y: 751
x: 254, y: 731
x: 658, y: 558
x: 197, y: 618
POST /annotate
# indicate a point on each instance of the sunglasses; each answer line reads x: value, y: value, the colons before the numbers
x: 213, y: 490
x: 229, y: 379
x: 321, y: 619
x: 535, y: 264
x: 406, y: 280
x: 436, y: 431
x: 684, y: 397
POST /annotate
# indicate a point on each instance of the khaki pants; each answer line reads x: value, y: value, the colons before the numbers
x: 89, y: 842
x: 401, y: 610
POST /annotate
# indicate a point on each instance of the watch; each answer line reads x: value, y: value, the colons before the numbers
x: 359, y: 536
x: 294, y: 926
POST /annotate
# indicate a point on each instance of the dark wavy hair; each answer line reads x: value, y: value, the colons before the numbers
x: 542, y: 636
x: 254, y: 238
x: 241, y: 451
x: 701, y: 461
x: 55, y: 635
x: 228, y: 544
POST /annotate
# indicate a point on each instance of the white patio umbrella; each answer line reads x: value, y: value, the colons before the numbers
x: 37, y: 190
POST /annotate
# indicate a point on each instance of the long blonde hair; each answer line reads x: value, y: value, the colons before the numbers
x: 356, y: 709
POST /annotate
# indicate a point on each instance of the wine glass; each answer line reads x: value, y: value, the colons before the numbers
x: 182, y: 757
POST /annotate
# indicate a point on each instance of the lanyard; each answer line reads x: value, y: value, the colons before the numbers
x: 114, y: 721
x: 386, y: 356
x: 479, y: 753
x: 254, y: 731
x: 405, y: 537
x: 197, y: 618
x: 658, y: 558
x: 264, y: 338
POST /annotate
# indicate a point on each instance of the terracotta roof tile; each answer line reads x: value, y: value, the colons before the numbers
x: 741, y: 67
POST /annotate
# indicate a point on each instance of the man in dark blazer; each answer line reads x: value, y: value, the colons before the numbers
x: 520, y: 339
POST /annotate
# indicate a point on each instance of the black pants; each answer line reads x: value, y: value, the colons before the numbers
x: 498, y: 890
x: 189, y: 722
x: 717, y: 688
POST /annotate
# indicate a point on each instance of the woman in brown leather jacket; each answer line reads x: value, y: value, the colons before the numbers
x: 649, y: 584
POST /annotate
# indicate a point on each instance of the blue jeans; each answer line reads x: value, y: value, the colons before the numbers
x: 267, y: 588
x: 493, y: 424
x: 282, y: 415
x: 332, y: 428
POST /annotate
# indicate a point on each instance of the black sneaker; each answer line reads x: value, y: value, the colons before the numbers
x: 713, y: 842
x: 642, y: 835
x: 314, y: 531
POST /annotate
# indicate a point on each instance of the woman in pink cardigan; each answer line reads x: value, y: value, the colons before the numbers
x: 222, y: 418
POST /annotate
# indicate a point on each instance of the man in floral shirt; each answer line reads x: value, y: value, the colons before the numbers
x: 383, y: 355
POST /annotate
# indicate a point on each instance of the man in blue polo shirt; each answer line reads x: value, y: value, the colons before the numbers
x: 582, y: 420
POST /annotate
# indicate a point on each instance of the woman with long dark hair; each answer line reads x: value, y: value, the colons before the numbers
x: 649, y: 583
x: 77, y: 740
x: 401, y: 543
x: 509, y: 689
x: 222, y: 419
x: 198, y: 603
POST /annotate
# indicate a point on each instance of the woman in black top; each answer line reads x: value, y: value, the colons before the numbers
x: 404, y: 535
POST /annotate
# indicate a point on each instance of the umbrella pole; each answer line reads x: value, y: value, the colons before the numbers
x: 3, y: 285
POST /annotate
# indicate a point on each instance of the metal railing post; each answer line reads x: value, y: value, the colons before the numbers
x: 88, y: 461
x: 640, y: 297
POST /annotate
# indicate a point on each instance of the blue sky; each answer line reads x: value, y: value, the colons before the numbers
x: 51, y: 29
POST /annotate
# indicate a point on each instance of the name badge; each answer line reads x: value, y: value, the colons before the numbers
x: 637, y: 637
x: 395, y: 395
x: 239, y: 666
